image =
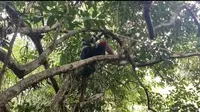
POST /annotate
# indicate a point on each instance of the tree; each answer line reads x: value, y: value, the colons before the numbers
x: 49, y: 33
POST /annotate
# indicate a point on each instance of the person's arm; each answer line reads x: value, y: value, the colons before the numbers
x: 109, y: 49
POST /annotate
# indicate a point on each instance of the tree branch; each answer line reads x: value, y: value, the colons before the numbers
x: 12, y: 64
x: 25, y: 83
x: 92, y: 98
x: 150, y: 63
x: 27, y: 30
x: 8, y: 55
x: 195, y: 20
x: 172, y: 19
x: 131, y: 61
x: 34, y: 35
x: 60, y: 94
x: 174, y: 16
x: 22, y: 70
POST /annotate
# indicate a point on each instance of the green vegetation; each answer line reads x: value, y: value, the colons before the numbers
x: 171, y: 84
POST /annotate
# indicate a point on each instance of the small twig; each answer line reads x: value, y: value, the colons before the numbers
x: 120, y: 39
x: 158, y: 73
x: 138, y: 79
x: 123, y: 84
x: 163, y: 78
x: 92, y: 98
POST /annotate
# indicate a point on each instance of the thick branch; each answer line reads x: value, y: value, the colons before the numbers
x: 147, y: 18
x: 174, y: 16
x: 34, y: 35
x: 37, y: 62
x: 22, y: 70
x: 44, y: 29
x: 150, y: 63
x: 60, y: 94
x: 7, y: 56
x: 25, y: 83
x: 172, y: 19
x: 195, y: 20
x: 45, y: 63
x: 12, y: 64
x: 193, y: 16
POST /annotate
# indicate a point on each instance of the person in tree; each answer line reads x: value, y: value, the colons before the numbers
x: 92, y: 48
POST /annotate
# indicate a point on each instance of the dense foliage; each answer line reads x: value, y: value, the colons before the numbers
x: 172, y: 84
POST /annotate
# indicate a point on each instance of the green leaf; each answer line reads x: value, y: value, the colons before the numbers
x: 72, y: 11
x: 102, y: 23
x: 36, y: 19
x: 109, y: 23
x: 89, y: 4
x: 51, y: 20
x: 86, y: 13
x: 87, y: 24
x: 54, y: 11
x: 102, y: 16
x: 94, y: 13
x: 76, y: 24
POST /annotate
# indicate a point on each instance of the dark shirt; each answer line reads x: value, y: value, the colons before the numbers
x: 89, y: 51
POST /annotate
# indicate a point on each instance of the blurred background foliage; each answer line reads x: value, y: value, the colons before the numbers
x: 174, y: 85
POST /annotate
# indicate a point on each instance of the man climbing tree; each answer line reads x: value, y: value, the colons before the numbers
x: 91, y: 48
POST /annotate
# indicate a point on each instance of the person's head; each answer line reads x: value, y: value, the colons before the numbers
x: 102, y: 43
